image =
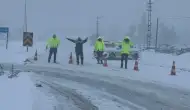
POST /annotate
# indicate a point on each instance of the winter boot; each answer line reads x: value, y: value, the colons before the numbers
x: 121, y: 65
x: 101, y: 62
x: 125, y: 66
x: 82, y: 59
x: 81, y: 62
x: 98, y: 61
x: 77, y: 62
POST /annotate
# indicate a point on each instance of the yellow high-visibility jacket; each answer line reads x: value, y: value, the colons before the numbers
x: 53, y: 42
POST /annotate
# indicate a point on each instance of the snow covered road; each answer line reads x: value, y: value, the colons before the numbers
x: 145, y: 95
x: 92, y: 86
x: 23, y: 92
x: 77, y: 102
x: 134, y: 95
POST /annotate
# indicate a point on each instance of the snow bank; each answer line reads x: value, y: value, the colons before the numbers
x: 16, y: 53
x: 16, y: 93
x: 20, y: 93
x: 161, y: 59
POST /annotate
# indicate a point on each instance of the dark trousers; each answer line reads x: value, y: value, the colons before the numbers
x: 79, y: 54
x: 124, y: 57
x: 54, y: 52
x: 99, y: 57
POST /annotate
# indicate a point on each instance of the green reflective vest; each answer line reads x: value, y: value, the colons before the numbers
x: 126, y: 47
x: 99, y: 46
x: 53, y: 42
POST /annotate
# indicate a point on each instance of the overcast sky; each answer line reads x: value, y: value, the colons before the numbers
x: 78, y: 17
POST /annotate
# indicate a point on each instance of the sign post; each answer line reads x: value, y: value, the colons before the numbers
x: 5, y: 30
x: 28, y: 39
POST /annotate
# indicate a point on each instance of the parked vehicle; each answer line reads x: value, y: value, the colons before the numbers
x: 114, y: 50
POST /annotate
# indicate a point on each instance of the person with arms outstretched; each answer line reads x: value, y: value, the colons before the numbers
x: 79, y: 49
x: 53, y: 44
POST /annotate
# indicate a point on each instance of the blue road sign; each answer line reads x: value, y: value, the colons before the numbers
x: 4, y: 29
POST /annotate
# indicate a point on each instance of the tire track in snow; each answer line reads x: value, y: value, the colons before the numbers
x: 105, y: 100
x: 149, y: 100
x: 80, y: 101
x: 146, y: 99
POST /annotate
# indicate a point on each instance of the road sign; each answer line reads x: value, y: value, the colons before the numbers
x: 28, y: 39
x: 4, y: 29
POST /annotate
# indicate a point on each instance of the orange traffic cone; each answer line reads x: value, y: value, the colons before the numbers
x: 136, y: 68
x: 105, y: 64
x: 173, y: 71
x: 71, y: 59
x: 36, y: 56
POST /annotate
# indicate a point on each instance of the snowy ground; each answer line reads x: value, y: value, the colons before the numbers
x: 165, y: 60
x: 119, y: 94
x: 154, y: 68
x: 16, y: 53
x: 20, y: 93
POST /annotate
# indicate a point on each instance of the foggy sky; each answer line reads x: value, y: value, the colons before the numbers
x: 78, y: 17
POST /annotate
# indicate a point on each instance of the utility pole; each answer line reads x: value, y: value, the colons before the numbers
x: 97, y: 25
x: 149, y: 33
x: 156, y: 44
x: 25, y: 21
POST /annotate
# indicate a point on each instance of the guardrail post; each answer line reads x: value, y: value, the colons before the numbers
x: 11, y: 75
x: 1, y: 70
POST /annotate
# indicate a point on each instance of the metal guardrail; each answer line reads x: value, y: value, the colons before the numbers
x: 13, y: 72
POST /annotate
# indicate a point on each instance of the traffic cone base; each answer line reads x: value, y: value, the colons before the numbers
x: 36, y: 56
x: 70, y: 62
x: 173, y: 71
x: 105, y: 64
x: 136, y: 68
x: 70, y: 59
